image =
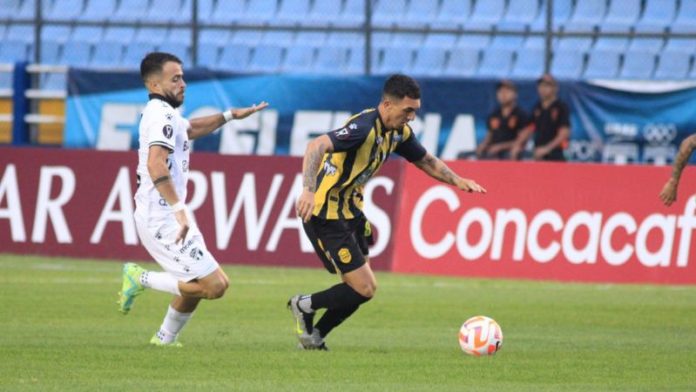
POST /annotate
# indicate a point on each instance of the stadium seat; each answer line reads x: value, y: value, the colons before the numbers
x: 55, y: 33
x: 419, y: 14
x: 98, y: 10
x: 179, y: 49
x: 50, y: 52
x: 621, y: 16
x: 123, y: 35
x: 463, y: 62
x: 185, y: 14
x: 352, y: 15
x: 453, y: 14
x: 330, y: 60
x: 298, y: 59
x: 476, y: 41
x: 638, y: 65
x: 535, y: 43
x: 25, y: 11
x: 562, y: 9
x: 12, y: 51
x: 672, y: 65
x: 283, y: 38
x: 574, y: 43
x: 266, y: 58
x: 135, y: 52
x: 387, y: 13
x: 612, y: 43
x: 20, y: 32
x: 507, y: 41
x: 687, y: 45
x: 587, y: 15
x: 438, y: 40
x: 653, y: 45
x: 179, y: 35
x: 8, y: 8
x: 496, y: 62
x: 223, y: 13
x: 162, y: 11
x: 249, y: 37
x: 407, y: 40
x: 323, y: 13
x: 214, y: 36
x: 90, y: 34
x: 381, y: 40
x: 486, y: 14
x: 520, y: 15
x: 568, y: 63
x: 657, y: 15
x: 208, y: 54
x: 291, y: 12
x: 394, y: 60
x: 313, y: 38
x: 430, y: 61
x: 150, y: 35
x: 76, y: 53
x: 685, y: 21
x: 529, y: 63
x: 602, y: 64
x: 235, y: 57
x: 356, y: 61
x: 130, y: 11
x: 205, y: 10
x: 259, y: 12
x: 107, y: 54
x: 63, y: 10
x: 345, y: 39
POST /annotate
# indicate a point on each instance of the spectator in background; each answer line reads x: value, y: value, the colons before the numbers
x: 669, y: 191
x: 504, y: 124
x: 550, y: 124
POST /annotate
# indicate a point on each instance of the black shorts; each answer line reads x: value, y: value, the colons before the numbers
x: 340, y: 244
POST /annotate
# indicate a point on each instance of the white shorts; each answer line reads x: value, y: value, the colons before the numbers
x: 188, y: 261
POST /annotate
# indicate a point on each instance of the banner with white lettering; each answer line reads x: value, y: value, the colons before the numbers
x: 570, y: 222
x: 79, y: 203
x: 610, y: 122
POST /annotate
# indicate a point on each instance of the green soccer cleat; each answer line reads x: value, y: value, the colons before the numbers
x: 131, y: 287
x: 155, y: 341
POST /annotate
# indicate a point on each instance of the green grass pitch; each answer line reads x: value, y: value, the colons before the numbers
x: 60, y: 331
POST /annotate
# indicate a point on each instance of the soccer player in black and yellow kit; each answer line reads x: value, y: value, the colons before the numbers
x: 335, y: 168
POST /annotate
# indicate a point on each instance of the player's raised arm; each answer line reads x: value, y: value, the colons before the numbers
x: 669, y: 190
x: 310, y: 166
x: 202, y: 126
x: 438, y: 170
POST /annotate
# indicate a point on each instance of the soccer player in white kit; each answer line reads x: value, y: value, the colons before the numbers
x: 162, y: 221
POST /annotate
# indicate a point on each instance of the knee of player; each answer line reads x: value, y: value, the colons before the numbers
x: 217, y: 290
x: 368, y: 290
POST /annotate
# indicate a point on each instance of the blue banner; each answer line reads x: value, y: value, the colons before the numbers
x: 609, y: 123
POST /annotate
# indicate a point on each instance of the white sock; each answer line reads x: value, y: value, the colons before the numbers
x: 305, y: 304
x: 160, y: 281
x: 172, y: 324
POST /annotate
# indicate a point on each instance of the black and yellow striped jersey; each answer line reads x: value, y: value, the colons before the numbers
x: 360, y: 149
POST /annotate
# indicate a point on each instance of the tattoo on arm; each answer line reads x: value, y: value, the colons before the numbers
x: 683, y: 156
x: 310, y: 173
x: 160, y: 180
x: 447, y: 174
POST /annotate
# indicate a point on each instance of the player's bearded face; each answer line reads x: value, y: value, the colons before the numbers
x: 402, y: 112
x: 173, y: 85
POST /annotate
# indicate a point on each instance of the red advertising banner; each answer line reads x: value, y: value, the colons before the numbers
x: 571, y: 222
x: 79, y: 203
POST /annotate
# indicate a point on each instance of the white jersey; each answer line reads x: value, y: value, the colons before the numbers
x: 161, y: 125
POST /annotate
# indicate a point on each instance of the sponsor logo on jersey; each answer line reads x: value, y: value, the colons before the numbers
x: 342, y: 134
x: 344, y: 255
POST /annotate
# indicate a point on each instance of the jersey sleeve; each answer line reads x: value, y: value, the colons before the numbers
x: 350, y: 137
x: 160, y: 129
x: 409, y: 147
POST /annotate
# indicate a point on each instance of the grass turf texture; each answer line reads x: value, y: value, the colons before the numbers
x: 60, y: 330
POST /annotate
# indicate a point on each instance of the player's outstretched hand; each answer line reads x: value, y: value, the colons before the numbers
x: 669, y: 192
x: 246, y: 112
x: 182, y: 218
x: 470, y: 186
x: 305, y: 205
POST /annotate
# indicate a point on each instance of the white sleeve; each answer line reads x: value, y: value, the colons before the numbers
x: 160, y: 129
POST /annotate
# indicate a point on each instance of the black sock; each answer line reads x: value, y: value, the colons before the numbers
x: 333, y: 318
x: 338, y: 296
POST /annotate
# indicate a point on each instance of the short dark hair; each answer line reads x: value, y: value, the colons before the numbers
x: 153, y: 63
x: 401, y: 86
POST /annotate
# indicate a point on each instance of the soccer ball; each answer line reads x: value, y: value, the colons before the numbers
x: 480, y: 335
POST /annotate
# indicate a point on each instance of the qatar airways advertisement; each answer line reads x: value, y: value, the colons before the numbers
x: 574, y: 222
